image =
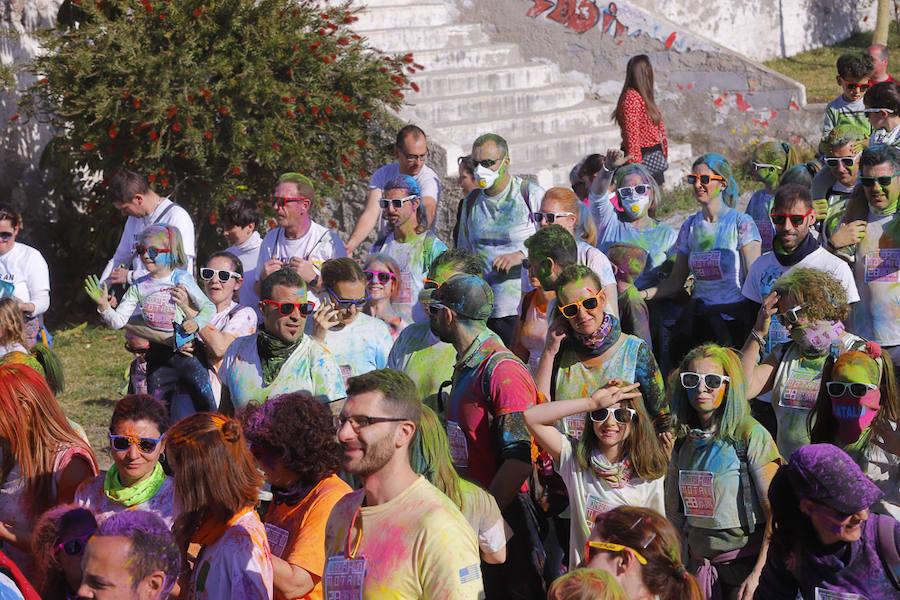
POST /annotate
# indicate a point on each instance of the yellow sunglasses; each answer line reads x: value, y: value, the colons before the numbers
x: 589, y: 303
x: 613, y: 548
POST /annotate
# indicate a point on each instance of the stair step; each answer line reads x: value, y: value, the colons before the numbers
x: 401, y: 39
x: 490, y: 106
x: 481, y: 56
x: 398, y: 16
x: 548, y: 149
x: 446, y: 82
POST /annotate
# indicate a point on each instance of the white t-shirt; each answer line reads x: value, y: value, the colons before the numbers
x: 318, y: 244
x: 590, y: 495
x: 27, y: 271
x: 428, y: 181
x: 359, y: 347
x: 414, y: 258
x: 131, y: 236
x: 248, y: 253
x: 241, y: 322
x: 877, y: 271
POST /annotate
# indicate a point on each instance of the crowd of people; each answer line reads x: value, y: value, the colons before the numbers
x: 568, y: 399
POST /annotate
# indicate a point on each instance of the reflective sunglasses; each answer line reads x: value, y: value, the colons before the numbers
x: 487, y: 163
x: 703, y: 179
x: 280, y: 201
x: 396, y: 202
x: 430, y: 284
x: 758, y: 166
x: 122, y: 443
x: 206, y: 274
x: 883, y: 181
x: 837, y: 389
x: 712, y: 381
x: 74, y: 546
x: 876, y: 110
x: 834, y: 161
x: 781, y: 218
x: 288, y: 308
x: 638, y: 190
x: 621, y: 415
x: 592, y: 545
x: 863, y: 87
x: 551, y: 217
x: 790, y: 316
x: 415, y: 157
x: 382, y: 276
x: 6, y: 235
x: 345, y: 304
x: 150, y: 251
x: 589, y: 303
x: 358, y: 422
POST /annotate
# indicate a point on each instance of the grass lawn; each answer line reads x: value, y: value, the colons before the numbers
x: 94, y: 361
x: 816, y: 68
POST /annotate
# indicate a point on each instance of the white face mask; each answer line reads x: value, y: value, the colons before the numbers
x: 635, y: 207
x: 485, y: 177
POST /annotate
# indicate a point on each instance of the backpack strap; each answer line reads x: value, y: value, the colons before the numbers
x: 523, y: 187
x: 749, y: 524
x: 886, y: 544
x: 165, y: 211
x: 490, y: 364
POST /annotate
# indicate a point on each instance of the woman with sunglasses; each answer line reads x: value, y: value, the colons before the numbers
x: 383, y: 283
x: 216, y: 489
x: 719, y: 473
x: 808, y: 306
x: 717, y: 245
x: 561, y: 206
x: 616, y: 460
x: 165, y: 296
x: 643, y: 551
x: 44, y: 459
x: 136, y: 480
x: 59, y: 539
x: 635, y: 221
x: 24, y: 275
x: 858, y: 409
x: 769, y: 164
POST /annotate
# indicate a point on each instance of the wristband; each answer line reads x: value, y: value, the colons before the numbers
x: 759, y: 339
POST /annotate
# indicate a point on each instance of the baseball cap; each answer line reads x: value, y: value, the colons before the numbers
x: 467, y: 295
x: 826, y: 474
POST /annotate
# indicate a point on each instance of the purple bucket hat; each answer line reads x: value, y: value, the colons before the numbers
x: 826, y: 474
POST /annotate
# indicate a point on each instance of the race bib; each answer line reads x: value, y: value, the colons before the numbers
x: 404, y: 294
x: 593, y: 507
x: 459, y: 450
x: 883, y: 266
x: 833, y: 595
x: 278, y: 538
x: 346, y: 373
x: 343, y: 578
x: 801, y: 389
x: 707, y: 266
x: 574, y: 425
x: 697, y: 493
x: 766, y: 233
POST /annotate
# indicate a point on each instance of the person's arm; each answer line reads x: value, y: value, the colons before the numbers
x: 750, y: 252
x: 123, y: 254
x: 117, y: 318
x: 216, y: 342
x: 556, y: 333
x: 206, y: 309
x: 508, y: 481
x: 761, y: 478
x: 291, y: 581
x: 612, y: 299
x: 367, y: 221
x: 674, y: 283
x: 181, y: 220
x: 760, y: 377
x: 76, y: 472
x: 38, y: 282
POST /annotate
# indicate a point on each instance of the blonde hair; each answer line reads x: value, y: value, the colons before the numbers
x: 586, y: 584
x: 12, y: 325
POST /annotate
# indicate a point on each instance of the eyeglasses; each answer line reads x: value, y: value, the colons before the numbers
x: 757, y: 166
x: 6, y: 235
x: 781, y: 218
x: 206, y: 274
x: 834, y: 161
x: 358, y: 422
x: 382, y: 276
x: 837, y: 389
x: 626, y: 192
x: 150, y: 251
x: 703, y: 179
x: 280, y: 201
x: 74, y: 546
x: 877, y: 110
x: 591, y: 545
x: 883, y: 181
x: 345, y: 304
x: 288, y: 308
x: 712, y: 381
x: 396, y: 202
x: 122, y: 443
x: 551, y: 217
x: 589, y: 303
x: 790, y: 316
x: 621, y: 415
x: 488, y: 162
x: 415, y: 157
x: 863, y: 87
x: 430, y: 284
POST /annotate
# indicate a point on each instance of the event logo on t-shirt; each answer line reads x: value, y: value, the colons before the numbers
x: 459, y: 450
x: 801, y: 389
x: 278, y: 538
x: 707, y: 266
x: 766, y: 232
x: 883, y: 266
x: 594, y: 507
x: 344, y: 577
x: 574, y: 425
x: 697, y: 493
x: 833, y: 595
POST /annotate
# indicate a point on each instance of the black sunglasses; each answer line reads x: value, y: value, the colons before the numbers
x: 487, y: 163
x: 883, y: 181
x: 288, y: 308
x: 6, y: 235
x: 796, y: 220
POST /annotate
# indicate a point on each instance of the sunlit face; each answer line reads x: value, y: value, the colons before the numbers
x: 611, y: 433
x: 6, y: 228
x: 368, y: 450
x: 585, y: 321
x: 106, y: 575
x: 217, y: 290
x: 789, y: 235
x: 236, y: 234
x: 411, y: 155
x: 349, y: 290
x: 292, y: 214
x: 846, y: 176
x: 832, y: 526
x: 851, y: 87
x: 133, y: 464
x: 554, y: 206
x: 378, y: 290
x: 881, y: 197
x: 705, y: 192
x: 702, y: 399
x: 399, y: 217
x: 287, y: 328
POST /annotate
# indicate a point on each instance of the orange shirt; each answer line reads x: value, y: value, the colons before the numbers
x: 297, y: 533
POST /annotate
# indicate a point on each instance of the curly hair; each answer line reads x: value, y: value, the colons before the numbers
x: 822, y: 296
x: 855, y: 65
x: 299, y: 430
x: 140, y: 407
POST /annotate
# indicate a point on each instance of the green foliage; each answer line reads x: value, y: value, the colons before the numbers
x: 7, y: 77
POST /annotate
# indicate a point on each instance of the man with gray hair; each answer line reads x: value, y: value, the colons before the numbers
x: 880, y: 56
x: 133, y: 556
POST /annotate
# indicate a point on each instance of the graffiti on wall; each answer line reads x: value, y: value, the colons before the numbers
x: 617, y: 21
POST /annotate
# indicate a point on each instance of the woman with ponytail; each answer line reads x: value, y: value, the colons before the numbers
x: 642, y: 550
x: 216, y: 490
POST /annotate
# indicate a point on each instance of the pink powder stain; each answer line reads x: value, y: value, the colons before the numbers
x: 718, y: 102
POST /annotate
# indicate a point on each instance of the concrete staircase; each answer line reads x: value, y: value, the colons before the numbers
x: 471, y: 86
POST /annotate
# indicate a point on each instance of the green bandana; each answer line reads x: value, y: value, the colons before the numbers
x: 138, y: 493
x: 272, y: 353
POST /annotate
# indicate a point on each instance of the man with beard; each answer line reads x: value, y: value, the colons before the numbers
x: 398, y: 536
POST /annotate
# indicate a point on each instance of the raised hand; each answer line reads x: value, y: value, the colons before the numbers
x: 97, y: 291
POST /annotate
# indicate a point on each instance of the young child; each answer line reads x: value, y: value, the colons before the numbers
x: 883, y: 111
x: 854, y: 71
x: 628, y: 262
x: 162, y: 295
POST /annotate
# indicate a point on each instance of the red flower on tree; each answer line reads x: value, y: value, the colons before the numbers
x: 88, y: 146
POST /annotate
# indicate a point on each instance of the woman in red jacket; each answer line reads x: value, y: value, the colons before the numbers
x: 639, y: 119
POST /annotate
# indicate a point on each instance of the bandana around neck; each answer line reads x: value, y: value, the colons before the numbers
x: 272, y: 353
x: 788, y: 259
x: 601, y: 340
x: 290, y: 496
x: 616, y: 475
x: 136, y: 494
